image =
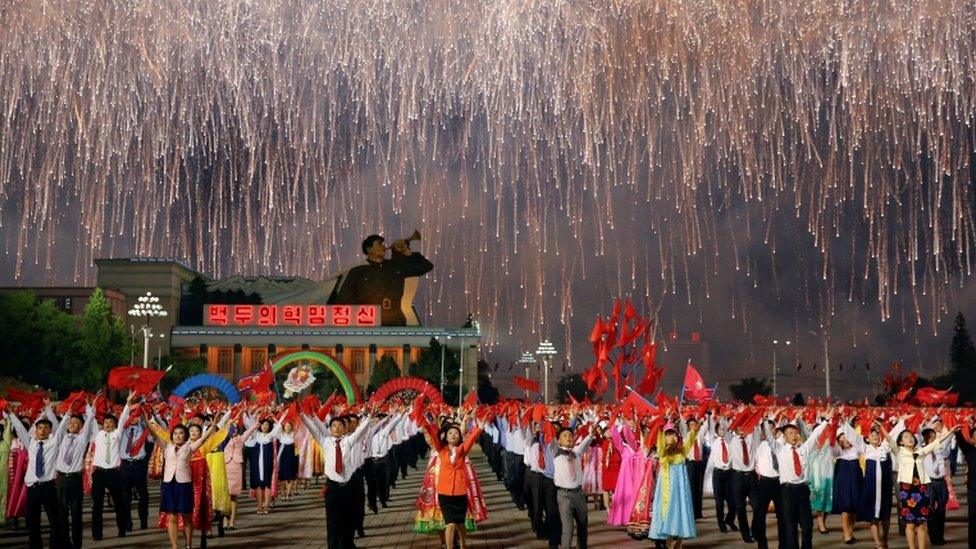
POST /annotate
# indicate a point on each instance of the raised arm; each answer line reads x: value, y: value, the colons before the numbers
x: 471, y: 439
x: 158, y: 432
x: 811, y: 440
x: 22, y: 433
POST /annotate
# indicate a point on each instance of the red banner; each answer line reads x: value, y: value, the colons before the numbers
x: 291, y: 315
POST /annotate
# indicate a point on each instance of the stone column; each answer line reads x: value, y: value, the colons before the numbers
x: 238, y: 362
x: 405, y: 367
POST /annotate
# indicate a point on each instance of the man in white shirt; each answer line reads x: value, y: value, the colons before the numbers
x: 792, y: 456
x: 935, y: 468
x: 767, y: 488
x: 568, y: 477
x: 695, y: 458
x: 378, y: 464
x: 71, y: 461
x: 743, y: 481
x: 135, y: 470
x: 107, y: 459
x: 338, y: 449
x: 721, y: 459
x: 42, y: 455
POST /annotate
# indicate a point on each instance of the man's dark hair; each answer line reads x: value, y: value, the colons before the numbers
x: 112, y: 417
x: 560, y: 433
x: 926, y: 433
x: 44, y: 421
x: 79, y: 417
x: 368, y: 243
x: 338, y: 420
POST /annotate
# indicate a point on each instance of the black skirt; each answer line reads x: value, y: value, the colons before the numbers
x: 453, y: 508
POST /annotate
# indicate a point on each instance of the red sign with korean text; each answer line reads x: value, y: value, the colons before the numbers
x: 291, y: 315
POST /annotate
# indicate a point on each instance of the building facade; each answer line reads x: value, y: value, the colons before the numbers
x: 235, y: 345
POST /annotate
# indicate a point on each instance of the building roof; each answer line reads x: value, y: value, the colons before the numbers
x: 153, y: 260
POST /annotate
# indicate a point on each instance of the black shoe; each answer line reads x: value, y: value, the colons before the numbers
x: 732, y: 526
x: 374, y: 509
x: 851, y: 541
x: 723, y: 529
x: 748, y: 539
x: 121, y: 533
x: 97, y: 538
x: 361, y: 534
x: 142, y: 525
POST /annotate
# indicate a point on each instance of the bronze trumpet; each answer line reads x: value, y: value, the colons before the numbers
x: 412, y: 237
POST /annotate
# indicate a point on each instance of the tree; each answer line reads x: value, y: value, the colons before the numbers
x: 962, y: 356
x: 428, y: 366
x: 749, y: 387
x: 104, y: 343
x: 487, y: 393
x: 385, y: 369
x: 40, y: 342
x: 573, y: 384
x: 181, y: 368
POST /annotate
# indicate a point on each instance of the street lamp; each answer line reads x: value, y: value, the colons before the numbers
x: 527, y: 360
x: 546, y: 350
x: 443, y: 346
x: 776, y: 343
x: 147, y: 307
x: 826, y: 360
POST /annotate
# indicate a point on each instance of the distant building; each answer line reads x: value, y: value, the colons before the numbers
x: 238, y: 323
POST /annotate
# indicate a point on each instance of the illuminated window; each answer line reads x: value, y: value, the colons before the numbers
x: 225, y: 361
x: 258, y: 359
x: 358, y: 359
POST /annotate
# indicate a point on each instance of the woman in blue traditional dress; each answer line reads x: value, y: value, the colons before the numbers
x: 673, y: 515
x: 821, y: 465
x: 874, y: 505
x: 848, y: 481
x: 263, y: 462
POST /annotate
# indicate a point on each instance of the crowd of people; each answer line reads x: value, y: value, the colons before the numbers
x: 650, y: 467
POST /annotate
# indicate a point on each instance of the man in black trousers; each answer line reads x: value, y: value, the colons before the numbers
x: 695, y: 459
x: 71, y: 462
x: 721, y: 458
x: 964, y: 438
x: 135, y: 471
x: 792, y: 456
x: 767, y: 491
x: 42, y: 453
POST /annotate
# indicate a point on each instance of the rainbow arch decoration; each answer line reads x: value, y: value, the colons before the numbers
x: 198, y: 381
x: 415, y: 384
x: 321, y: 363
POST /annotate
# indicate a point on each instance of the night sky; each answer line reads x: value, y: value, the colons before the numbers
x: 752, y: 173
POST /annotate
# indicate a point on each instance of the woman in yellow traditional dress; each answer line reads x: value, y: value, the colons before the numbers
x: 673, y: 517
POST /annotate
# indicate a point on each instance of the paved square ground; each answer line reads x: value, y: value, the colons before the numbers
x: 301, y: 523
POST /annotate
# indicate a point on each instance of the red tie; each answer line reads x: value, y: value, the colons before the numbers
x: 697, y: 451
x: 796, y: 464
x: 725, y: 452
x: 542, y: 458
x: 745, y: 451
x: 338, y: 457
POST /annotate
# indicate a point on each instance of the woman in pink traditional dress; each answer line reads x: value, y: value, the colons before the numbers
x: 16, y: 487
x: 640, y: 516
x: 593, y: 469
x: 234, y: 463
x: 632, y: 467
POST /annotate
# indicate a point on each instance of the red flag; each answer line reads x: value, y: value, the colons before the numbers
x: 258, y: 382
x: 136, y: 378
x: 30, y: 403
x: 930, y: 396
x: 471, y: 400
x: 694, y: 385
x: 526, y: 384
